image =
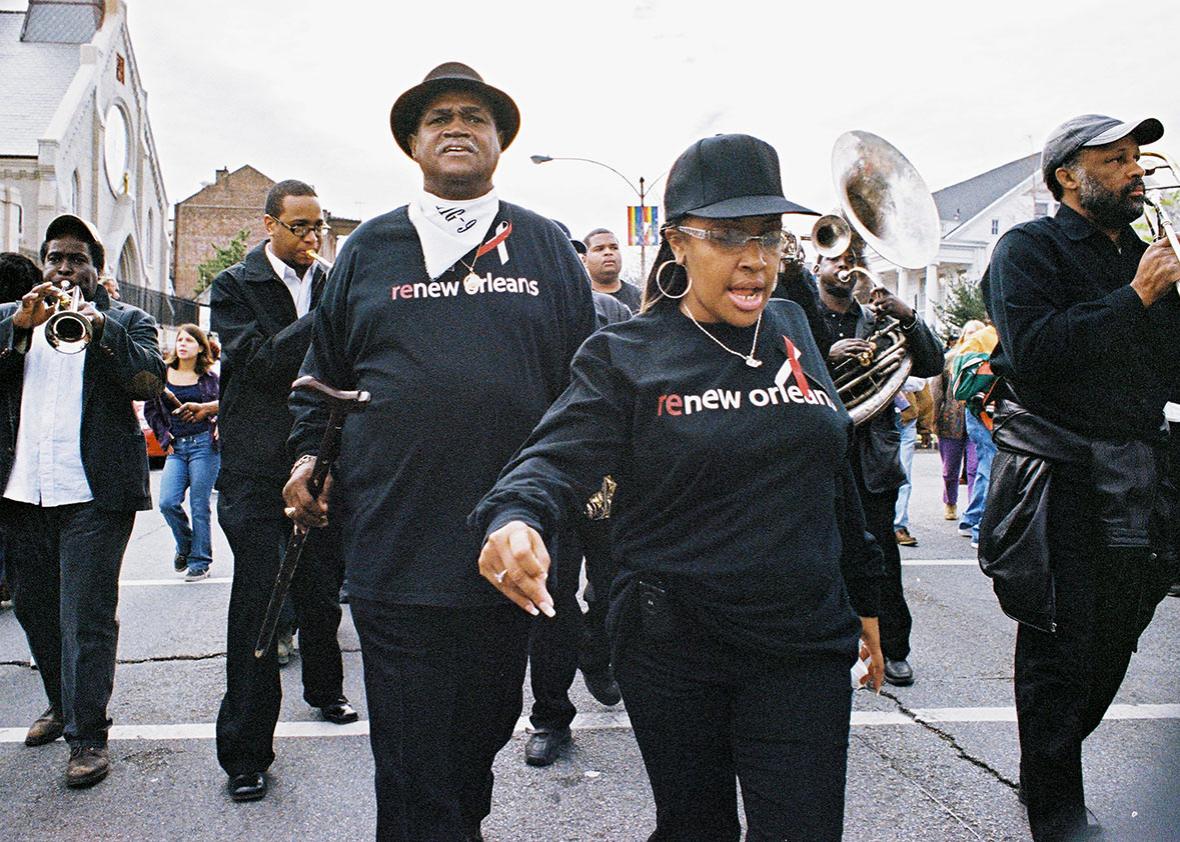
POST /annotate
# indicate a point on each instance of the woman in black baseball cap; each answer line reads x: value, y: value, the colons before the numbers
x: 737, y: 528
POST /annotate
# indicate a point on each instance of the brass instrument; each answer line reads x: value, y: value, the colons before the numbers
x: 831, y: 236
x: 318, y: 258
x: 884, y: 198
x: 1162, y: 225
x: 67, y: 330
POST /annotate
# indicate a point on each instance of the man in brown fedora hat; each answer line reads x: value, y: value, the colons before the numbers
x: 442, y: 309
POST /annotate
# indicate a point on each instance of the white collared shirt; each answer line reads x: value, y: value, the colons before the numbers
x: 47, y: 469
x: 300, y: 288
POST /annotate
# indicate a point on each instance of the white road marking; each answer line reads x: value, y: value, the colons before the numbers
x: 603, y: 721
x: 939, y: 562
x: 151, y: 583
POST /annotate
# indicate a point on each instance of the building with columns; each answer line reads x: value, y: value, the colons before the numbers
x: 75, y: 137
x: 972, y: 215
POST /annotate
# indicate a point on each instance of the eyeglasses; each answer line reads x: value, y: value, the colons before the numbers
x: 734, y: 239
x: 301, y: 230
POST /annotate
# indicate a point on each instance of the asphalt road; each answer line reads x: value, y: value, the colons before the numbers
x: 935, y: 761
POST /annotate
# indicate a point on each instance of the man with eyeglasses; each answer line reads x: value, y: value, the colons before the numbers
x: 262, y: 310
x: 459, y: 313
x: 876, y: 452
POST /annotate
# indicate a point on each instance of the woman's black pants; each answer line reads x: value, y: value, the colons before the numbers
x: 707, y: 716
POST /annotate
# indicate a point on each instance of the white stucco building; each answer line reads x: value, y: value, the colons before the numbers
x: 75, y: 136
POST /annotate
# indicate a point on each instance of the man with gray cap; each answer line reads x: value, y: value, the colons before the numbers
x: 74, y: 470
x: 459, y: 314
x: 1087, y: 315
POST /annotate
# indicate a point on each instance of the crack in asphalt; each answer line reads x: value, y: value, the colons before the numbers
x: 950, y: 740
x: 161, y: 659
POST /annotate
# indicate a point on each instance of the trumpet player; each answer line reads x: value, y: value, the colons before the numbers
x: 876, y: 452
x: 74, y: 471
x: 1087, y: 316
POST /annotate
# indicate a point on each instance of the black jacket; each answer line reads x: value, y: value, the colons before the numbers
x: 1126, y: 479
x: 122, y: 365
x: 262, y: 347
x: 878, y: 442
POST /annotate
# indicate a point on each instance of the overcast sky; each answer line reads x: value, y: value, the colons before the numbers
x: 303, y: 89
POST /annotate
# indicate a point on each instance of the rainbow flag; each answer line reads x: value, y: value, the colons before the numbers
x: 643, y: 228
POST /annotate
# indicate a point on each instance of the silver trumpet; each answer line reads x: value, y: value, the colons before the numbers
x: 67, y: 330
x: 1161, y: 226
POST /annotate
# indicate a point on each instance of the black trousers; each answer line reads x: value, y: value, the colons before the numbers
x: 558, y: 645
x: 894, y: 617
x: 63, y: 567
x: 253, y: 692
x: 1065, y: 681
x: 707, y: 716
x: 444, y: 690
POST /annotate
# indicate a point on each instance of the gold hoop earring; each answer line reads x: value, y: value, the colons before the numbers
x: 660, y: 286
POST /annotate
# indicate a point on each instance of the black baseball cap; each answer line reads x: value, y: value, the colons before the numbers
x: 68, y: 224
x: 451, y: 76
x: 727, y: 176
x: 1092, y: 130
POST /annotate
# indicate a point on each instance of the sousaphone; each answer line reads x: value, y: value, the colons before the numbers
x: 884, y: 198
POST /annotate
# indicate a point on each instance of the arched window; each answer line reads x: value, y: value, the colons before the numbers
x: 117, y: 150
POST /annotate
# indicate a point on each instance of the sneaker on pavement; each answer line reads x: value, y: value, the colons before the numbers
x: 545, y: 745
x: 964, y: 530
x: 180, y: 563
x: 196, y: 574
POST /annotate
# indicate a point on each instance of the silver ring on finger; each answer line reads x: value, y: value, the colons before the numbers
x: 500, y: 576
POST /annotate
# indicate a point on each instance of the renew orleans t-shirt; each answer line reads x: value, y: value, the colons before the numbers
x: 732, y: 480
x: 460, y: 369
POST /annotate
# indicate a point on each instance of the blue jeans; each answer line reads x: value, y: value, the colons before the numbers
x: 985, y: 450
x: 193, y: 463
x: 909, y: 437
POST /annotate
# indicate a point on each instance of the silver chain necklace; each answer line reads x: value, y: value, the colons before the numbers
x: 749, y: 358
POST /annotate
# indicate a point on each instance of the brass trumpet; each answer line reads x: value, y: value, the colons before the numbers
x: 67, y: 330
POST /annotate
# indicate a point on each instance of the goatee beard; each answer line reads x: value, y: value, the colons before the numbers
x: 842, y: 292
x: 1109, y: 210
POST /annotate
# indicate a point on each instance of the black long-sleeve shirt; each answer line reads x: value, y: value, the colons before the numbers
x: 734, y: 484
x: 1076, y: 342
x: 460, y: 370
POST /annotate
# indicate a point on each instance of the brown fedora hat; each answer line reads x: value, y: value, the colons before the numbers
x: 451, y: 76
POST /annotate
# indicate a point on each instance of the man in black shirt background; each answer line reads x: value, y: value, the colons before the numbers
x: 262, y: 310
x: 604, y: 262
x: 1088, y: 317
x: 876, y: 453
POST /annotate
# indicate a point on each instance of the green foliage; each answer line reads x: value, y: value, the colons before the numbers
x: 223, y: 258
x: 964, y: 301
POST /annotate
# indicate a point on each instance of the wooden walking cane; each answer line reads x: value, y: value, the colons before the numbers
x: 341, y: 404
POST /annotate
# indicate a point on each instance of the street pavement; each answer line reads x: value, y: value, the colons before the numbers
x: 935, y: 761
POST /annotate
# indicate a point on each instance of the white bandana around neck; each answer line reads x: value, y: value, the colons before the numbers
x: 449, y: 229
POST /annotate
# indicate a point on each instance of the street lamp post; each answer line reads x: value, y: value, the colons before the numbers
x: 640, y: 191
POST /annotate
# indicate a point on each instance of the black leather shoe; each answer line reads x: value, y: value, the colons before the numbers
x: 1174, y: 590
x: 47, y: 728
x: 248, y: 787
x: 602, y: 686
x: 545, y: 745
x: 899, y: 673
x: 339, y: 712
x: 180, y: 563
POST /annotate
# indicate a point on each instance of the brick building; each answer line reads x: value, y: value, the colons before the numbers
x: 217, y: 212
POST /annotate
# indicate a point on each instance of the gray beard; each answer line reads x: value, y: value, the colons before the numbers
x: 1108, y: 210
